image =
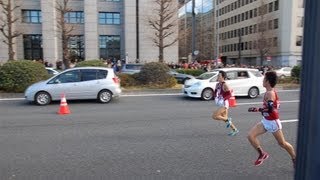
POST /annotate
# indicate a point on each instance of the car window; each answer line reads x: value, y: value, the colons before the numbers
x: 256, y: 73
x: 214, y: 79
x: 206, y: 75
x: 232, y: 75
x: 102, y: 74
x: 88, y: 74
x: 67, y: 77
x: 243, y: 75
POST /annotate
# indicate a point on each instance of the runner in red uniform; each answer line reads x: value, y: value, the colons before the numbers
x: 270, y: 121
x: 222, y: 95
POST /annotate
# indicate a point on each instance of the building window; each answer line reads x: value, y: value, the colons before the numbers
x: 276, y: 5
x: 299, y: 41
x: 255, y: 12
x: 76, y: 17
x: 32, y: 45
x: 270, y: 7
x: 300, y: 21
x: 276, y: 23
x: 109, y: 47
x: 31, y: 16
x: 109, y: 18
x: 275, y: 41
x: 76, y: 47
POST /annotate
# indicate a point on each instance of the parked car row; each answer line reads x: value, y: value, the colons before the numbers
x: 103, y: 84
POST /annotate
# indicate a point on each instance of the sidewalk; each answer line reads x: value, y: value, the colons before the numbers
x: 148, y: 91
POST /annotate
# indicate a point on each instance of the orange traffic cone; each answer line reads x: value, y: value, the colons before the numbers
x: 232, y: 100
x: 64, y: 108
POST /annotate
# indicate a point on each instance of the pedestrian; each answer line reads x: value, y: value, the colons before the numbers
x: 222, y: 95
x: 270, y: 121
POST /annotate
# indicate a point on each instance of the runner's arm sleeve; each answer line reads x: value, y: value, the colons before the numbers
x: 270, y: 106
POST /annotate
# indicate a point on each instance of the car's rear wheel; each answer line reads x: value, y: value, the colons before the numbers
x: 105, y: 96
x: 207, y: 94
x: 253, y: 92
x: 42, y: 98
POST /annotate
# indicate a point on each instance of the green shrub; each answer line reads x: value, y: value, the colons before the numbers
x: 16, y: 76
x: 193, y: 72
x: 295, y: 72
x: 95, y: 63
x: 128, y: 80
x: 155, y: 74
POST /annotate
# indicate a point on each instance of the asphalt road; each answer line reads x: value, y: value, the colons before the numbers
x: 139, y: 137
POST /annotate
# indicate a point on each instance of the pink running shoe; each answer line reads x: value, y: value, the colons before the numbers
x: 261, y: 158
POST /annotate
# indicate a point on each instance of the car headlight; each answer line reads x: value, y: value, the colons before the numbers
x: 197, y: 84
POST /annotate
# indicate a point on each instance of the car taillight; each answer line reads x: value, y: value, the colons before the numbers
x: 116, y: 80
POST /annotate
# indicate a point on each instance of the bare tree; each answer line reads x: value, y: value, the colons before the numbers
x: 263, y: 44
x: 163, y: 24
x: 7, y: 25
x: 62, y: 8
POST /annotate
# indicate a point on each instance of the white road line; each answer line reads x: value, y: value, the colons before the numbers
x: 11, y: 99
x: 289, y: 120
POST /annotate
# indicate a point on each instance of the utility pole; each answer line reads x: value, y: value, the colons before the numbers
x: 217, y: 31
x: 193, y: 29
x: 239, y: 46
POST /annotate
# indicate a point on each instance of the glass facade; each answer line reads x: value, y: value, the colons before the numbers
x: 109, y: 46
x: 32, y: 46
x: 109, y: 18
x: 204, y: 35
x: 76, y: 17
x: 31, y: 16
x: 76, y: 48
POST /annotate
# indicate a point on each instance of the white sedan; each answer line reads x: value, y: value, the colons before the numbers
x: 284, y: 72
x: 243, y: 82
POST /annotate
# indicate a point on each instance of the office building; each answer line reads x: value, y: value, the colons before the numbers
x: 108, y: 29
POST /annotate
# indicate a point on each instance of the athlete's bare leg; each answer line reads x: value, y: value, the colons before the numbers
x: 284, y: 144
x: 220, y: 114
x: 254, y: 132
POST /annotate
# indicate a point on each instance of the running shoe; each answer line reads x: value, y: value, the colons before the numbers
x: 234, y: 132
x: 261, y: 158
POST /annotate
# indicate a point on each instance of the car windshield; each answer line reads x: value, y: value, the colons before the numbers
x: 207, y: 75
x: 257, y: 73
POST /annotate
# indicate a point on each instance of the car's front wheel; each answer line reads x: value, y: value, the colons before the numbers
x: 105, y: 96
x: 253, y: 92
x: 42, y: 98
x: 207, y: 94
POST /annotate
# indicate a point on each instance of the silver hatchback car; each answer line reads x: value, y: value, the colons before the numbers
x: 76, y: 83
